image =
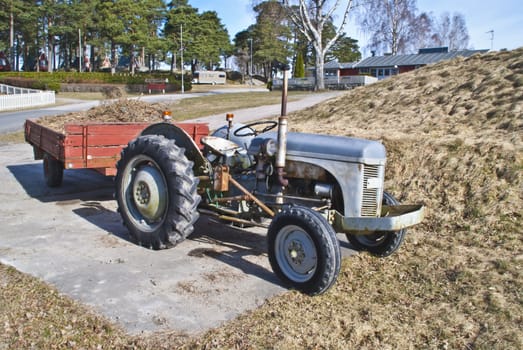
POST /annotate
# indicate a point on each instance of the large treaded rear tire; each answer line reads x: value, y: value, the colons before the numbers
x: 156, y: 192
x: 381, y: 244
x: 304, y: 251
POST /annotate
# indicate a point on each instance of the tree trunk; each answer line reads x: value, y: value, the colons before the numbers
x: 113, y: 54
x: 320, y: 80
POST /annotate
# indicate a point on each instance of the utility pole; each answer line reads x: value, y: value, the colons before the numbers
x: 12, y: 37
x: 491, y: 32
x: 80, y: 50
x: 181, y: 54
x: 250, y: 39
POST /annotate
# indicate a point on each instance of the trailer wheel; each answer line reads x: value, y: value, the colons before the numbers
x: 303, y: 250
x: 381, y: 244
x: 156, y: 192
x: 53, y: 170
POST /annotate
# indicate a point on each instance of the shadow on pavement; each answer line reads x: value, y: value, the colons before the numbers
x: 233, y: 246
x: 80, y: 184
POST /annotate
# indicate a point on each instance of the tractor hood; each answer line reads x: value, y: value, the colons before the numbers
x: 327, y: 147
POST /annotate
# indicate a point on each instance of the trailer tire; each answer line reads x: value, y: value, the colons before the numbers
x: 156, y: 192
x: 303, y: 250
x: 53, y: 170
x: 381, y: 244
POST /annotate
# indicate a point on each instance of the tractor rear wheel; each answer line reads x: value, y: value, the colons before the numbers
x: 156, y: 192
x: 303, y: 250
x: 381, y: 244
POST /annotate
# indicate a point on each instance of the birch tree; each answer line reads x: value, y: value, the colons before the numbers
x: 395, y: 27
x: 390, y: 24
x: 451, y: 31
x: 311, y: 17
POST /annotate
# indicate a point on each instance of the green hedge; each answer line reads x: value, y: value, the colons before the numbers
x: 52, y: 81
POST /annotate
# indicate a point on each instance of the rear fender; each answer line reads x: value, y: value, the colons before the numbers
x: 182, y: 139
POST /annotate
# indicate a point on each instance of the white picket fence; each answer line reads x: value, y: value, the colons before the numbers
x: 12, y: 98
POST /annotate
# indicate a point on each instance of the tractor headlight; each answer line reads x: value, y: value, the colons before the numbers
x: 269, y: 147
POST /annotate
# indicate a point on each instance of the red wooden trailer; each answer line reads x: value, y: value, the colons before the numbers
x: 94, y: 146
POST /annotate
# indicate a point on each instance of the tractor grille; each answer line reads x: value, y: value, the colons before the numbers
x: 372, y: 183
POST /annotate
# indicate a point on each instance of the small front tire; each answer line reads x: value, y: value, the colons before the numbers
x: 381, y: 244
x: 304, y: 251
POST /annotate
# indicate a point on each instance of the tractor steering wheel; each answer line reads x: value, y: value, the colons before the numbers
x: 253, y: 132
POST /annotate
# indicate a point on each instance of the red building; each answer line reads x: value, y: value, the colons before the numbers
x: 385, y: 66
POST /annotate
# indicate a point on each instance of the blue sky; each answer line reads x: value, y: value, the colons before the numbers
x: 504, y: 17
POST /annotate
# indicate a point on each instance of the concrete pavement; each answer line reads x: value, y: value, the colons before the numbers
x: 72, y: 237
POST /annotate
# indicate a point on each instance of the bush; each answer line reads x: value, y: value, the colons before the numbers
x: 53, y: 81
x: 31, y: 83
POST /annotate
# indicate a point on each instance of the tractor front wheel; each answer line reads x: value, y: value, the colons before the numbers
x: 156, y: 192
x: 303, y: 250
x: 381, y: 244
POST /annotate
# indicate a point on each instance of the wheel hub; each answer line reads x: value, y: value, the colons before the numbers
x: 143, y: 194
x: 149, y: 193
x: 298, y: 253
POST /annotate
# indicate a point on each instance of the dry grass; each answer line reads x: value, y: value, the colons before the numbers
x: 454, y: 138
x: 224, y: 103
x: 35, y: 316
x: 12, y: 137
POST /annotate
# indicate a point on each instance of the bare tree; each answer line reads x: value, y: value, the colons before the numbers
x: 422, y: 32
x: 390, y: 23
x: 311, y: 17
x: 395, y: 27
x: 451, y: 32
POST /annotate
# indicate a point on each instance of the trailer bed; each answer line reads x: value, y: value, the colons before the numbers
x: 94, y: 146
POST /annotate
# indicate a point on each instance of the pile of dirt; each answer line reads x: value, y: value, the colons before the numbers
x: 122, y: 110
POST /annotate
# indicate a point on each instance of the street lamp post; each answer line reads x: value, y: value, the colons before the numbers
x: 250, y: 39
x: 181, y: 56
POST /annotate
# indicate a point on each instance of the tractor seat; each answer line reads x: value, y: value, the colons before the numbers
x: 222, y: 147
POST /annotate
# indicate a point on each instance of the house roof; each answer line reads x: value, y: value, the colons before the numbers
x: 413, y: 60
x: 338, y: 65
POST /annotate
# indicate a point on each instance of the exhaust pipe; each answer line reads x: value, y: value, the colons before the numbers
x: 282, y: 128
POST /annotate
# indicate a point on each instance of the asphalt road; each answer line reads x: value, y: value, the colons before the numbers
x: 14, y: 120
x: 72, y: 237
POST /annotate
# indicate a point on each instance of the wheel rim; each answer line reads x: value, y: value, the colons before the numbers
x: 296, y: 253
x: 145, y: 192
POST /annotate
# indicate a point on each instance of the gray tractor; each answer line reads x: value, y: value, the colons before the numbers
x: 304, y: 188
